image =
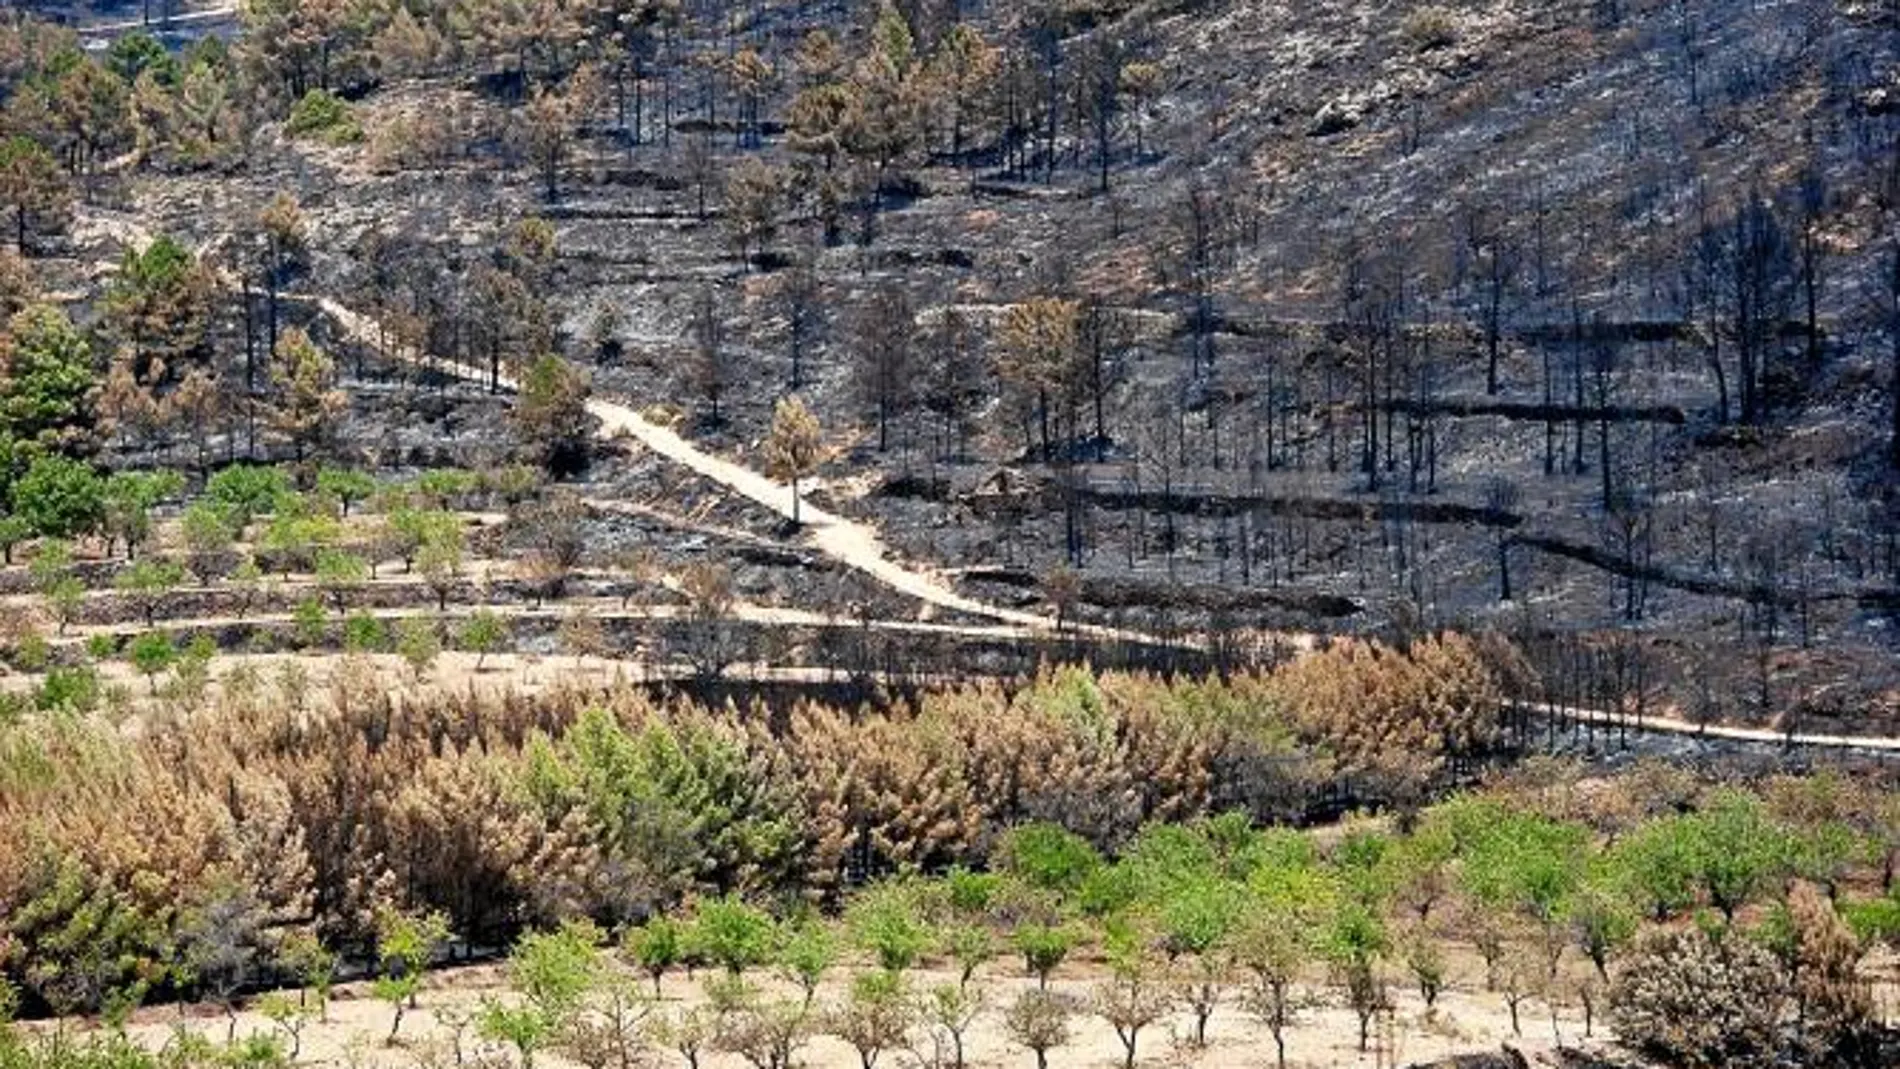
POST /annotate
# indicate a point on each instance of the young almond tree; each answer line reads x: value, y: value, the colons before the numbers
x: 875, y: 1017
x: 1133, y: 997
x: 806, y: 953
x: 1355, y: 945
x: 655, y: 947
x: 1196, y: 920
x: 405, y: 945
x: 732, y: 934
x: 1272, y: 943
x: 1038, y: 1021
x: 949, y: 1010
x: 552, y: 972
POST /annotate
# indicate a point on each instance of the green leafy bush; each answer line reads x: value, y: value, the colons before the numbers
x: 324, y: 115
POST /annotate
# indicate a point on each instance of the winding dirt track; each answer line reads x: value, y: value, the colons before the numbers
x: 853, y: 544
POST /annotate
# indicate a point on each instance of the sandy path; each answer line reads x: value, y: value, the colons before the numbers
x: 1603, y: 720
x: 856, y: 545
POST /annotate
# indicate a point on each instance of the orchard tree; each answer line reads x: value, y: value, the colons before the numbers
x: 1044, y: 947
x: 130, y: 497
x: 338, y: 574
x: 553, y: 973
x: 655, y: 946
x: 1133, y: 997
x: 419, y: 643
x: 346, y: 486
x: 1038, y: 1021
x: 152, y: 653
x: 950, y: 1010
x: 732, y: 934
x: 876, y: 1015
x: 767, y: 1033
x: 60, y: 498
x: 1738, y: 852
x: 793, y: 449
x: 406, y: 944
x: 885, y: 920
x: 440, y: 562
x: 1355, y: 945
x: 1657, y: 864
x: 807, y: 951
x: 1196, y: 920
x: 147, y: 583
x: 1273, y: 943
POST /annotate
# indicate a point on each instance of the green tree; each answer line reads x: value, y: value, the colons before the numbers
x: 1273, y: 941
x: 147, y: 583
x: 314, y: 965
x: 419, y: 642
x: 1044, y: 947
x: 885, y: 920
x: 1355, y: 943
x: 346, y: 486
x: 247, y: 491
x: 159, y: 306
x: 208, y: 536
x: 338, y: 573
x: 130, y: 497
x: 806, y: 953
x: 364, y: 633
x: 1658, y: 864
x: 732, y: 934
x: 655, y: 947
x: 553, y: 972
x: 47, y: 383
x: 14, y: 530
x: 152, y: 653
x: 1048, y: 856
x: 550, y: 414
x: 483, y: 633
x: 1738, y: 850
x: 307, y: 405
x: 406, y: 944
x: 60, y: 498
x: 310, y: 622
x: 440, y: 563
